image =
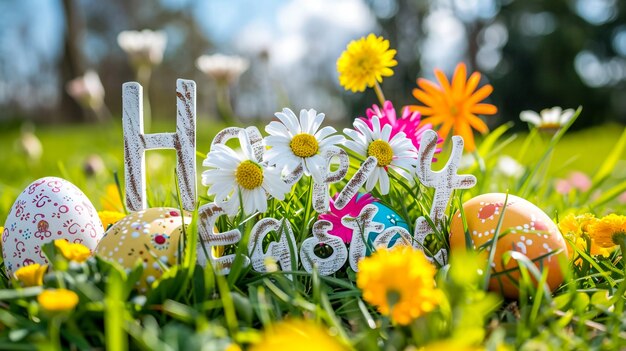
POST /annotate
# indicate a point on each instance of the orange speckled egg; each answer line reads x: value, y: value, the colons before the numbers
x: 149, y: 235
x: 529, y: 231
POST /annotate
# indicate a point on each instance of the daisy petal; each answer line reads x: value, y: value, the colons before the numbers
x: 530, y: 117
x: 383, y: 181
x: 290, y: 120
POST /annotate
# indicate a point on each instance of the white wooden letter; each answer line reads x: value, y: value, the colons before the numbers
x: 383, y: 239
x: 361, y: 227
x: 136, y: 143
x: 321, y: 197
x: 444, y: 182
x: 330, y: 264
x: 280, y: 251
x: 254, y: 136
x: 356, y: 182
x: 207, y: 216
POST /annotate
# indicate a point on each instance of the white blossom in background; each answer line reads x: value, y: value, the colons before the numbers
x: 144, y: 47
x: 222, y: 68
x: 549, y: 119
x: 29, y: 145
x: 145, y: 50
x: 94, y: 165
x: 87, y: 90
x: 225, y: 70
x: 509, y: 167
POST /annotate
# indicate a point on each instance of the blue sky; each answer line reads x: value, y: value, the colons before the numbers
x: 222, y: 20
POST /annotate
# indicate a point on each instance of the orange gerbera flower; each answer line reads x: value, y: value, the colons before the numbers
x: 455, y: 106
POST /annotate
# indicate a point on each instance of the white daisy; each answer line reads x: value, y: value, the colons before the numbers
x: 144, y: 47
x: 222, y: 68
x: 398, y: 153
x: 509, y: 167
x: 295, y: 142
x: 549, y: 119
x: 240, y: 175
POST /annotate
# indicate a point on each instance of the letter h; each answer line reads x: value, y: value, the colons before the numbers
x: 136, y: 143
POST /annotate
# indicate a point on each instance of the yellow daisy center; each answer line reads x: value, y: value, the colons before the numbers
x: 382, y: 151
x: 249, y: 175
x: 367, y: 64
x: 403, y: 295
x: 549, y: 128
x: 304, y: 145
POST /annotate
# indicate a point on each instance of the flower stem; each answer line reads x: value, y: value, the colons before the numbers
x: 379, y: 94
x: 620, y: 239
x: 54, y: 330
x: 224, y: 106
x: 480, y: 161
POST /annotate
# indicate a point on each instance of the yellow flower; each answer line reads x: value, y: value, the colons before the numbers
x: 109, y: 218
x: 57, y: 300
x: 603, y: 230
x: 31, y: 275
x: 73, y: 252
x: 576, y: 230
x: 400, y: 283
x: 455, y: 106
x: 365, y: 62
x: 233, y: 347
x: 111, y: 200
x: 455, y: 345
x: 297, y: 335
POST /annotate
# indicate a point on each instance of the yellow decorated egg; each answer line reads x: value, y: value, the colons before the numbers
x: 152, y: 236
x: 525, y: 229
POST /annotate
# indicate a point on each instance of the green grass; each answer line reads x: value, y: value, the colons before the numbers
x: 66, y: 149
x: 583, y: 150
x: 192, y: 306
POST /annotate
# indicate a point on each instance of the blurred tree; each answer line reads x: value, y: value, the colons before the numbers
x: 87, y: 40
x: 541, y: 62
x: 71, y: 62
x: 185, y: 42
x: 536, y: 53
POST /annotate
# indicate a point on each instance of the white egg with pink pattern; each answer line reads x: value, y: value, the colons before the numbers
x: 49, y: 208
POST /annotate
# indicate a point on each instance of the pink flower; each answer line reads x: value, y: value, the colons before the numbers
x: 563, y: 186
x: 580, y: 181
x: 622, y: 198
x: 409, y: 123
x: 576, y: 180
x: 352, y: 209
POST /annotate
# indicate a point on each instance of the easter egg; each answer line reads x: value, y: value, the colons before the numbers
x: 49, y: 208
x: 384, y: 215
x: 151, y: 235
x: 525, y: 229
x: 389, y: 218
